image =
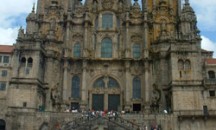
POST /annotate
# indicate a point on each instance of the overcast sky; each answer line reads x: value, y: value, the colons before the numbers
x: 14, y: 12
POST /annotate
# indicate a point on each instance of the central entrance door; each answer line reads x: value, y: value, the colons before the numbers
x: 113, y: 102
x: 105, y: 94
x: 2, y: 124
x: 98, y: 102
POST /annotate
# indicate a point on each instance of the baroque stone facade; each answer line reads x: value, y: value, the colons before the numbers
x: 111, y: 55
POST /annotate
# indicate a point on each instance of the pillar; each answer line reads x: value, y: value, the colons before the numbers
x: 65, y: 81
x: 127, y: 86
x: 147, y: 89
x: 127, y: 38
x: 84, y: 90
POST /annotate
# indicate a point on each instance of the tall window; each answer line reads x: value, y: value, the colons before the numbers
x: 6, y: 59
x: 77, y: 50
x: 107, y: 20
x: 2, y: 86
x: 30, y: 62
x: 181, y: 65
x: 4, y: 73
x: 136, y: 51
x: 106, y: 48
x: 136, y: 88
x: 75, y: 87
x: 211, y: 74
x: 23, y: 61
x: 187, y: 65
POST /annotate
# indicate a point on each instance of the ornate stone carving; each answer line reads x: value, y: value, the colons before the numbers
x: 136, y: 38
x: 136, y: 68
x: 79, y: 11
x: 107, y: 4
x: 155, y: 99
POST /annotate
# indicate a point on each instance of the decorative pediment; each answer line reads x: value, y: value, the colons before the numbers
x: 78, y: 36
x: 136, y: 39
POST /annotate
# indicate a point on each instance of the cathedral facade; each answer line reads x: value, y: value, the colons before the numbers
x: 111, y: 55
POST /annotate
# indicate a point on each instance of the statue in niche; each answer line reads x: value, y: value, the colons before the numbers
x: 155, y: 99
x: 163, y: 25
x: 120, y: 5
x: 164, y: 32
x: 56, y: 96
x: 52, y: 24
x: 95, y: 4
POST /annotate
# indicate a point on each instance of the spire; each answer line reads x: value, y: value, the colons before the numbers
x: 33, y: 8
x: 187, y: 2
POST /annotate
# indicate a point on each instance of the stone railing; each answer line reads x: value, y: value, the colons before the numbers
x: 209, y: 81
x: 195, y: 113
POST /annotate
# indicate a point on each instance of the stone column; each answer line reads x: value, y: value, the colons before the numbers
x: 105, y: 101
x: 127, y: 38
x: 48, y: 79
x: 16, y: 63
x: 127, y: 86
x: 65, y: 81
x: 147, y: 89
x: 145, y: 30
x: 85, y: 37
x: 84, y: 89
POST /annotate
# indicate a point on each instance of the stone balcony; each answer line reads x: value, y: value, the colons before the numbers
x: 208, y: 81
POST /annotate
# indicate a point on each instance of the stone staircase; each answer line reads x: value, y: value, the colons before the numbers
x: 100, y: 123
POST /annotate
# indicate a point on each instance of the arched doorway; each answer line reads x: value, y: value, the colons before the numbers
x: 2, y: 125
x: 106, y: 94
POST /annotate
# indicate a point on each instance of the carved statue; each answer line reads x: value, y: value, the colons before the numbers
x: 56, y: 95
x: 156, y: 96
x: 21, y: 32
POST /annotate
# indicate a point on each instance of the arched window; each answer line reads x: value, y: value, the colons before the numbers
x: 112, y: 83
x: 211, y: 74
x: 136, y: 88
x: 23, y: 61
x: 99, y: 83
x: 30, y: 62
x: 106, y: 48
x: 77, y: 50
x: 75, y: 87
x: 107, y: 20
x: 180, y: 64
x: 136, y: 51
x: 187, y: 65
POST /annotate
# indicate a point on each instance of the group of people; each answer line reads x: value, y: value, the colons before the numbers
x: 93, y: 113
